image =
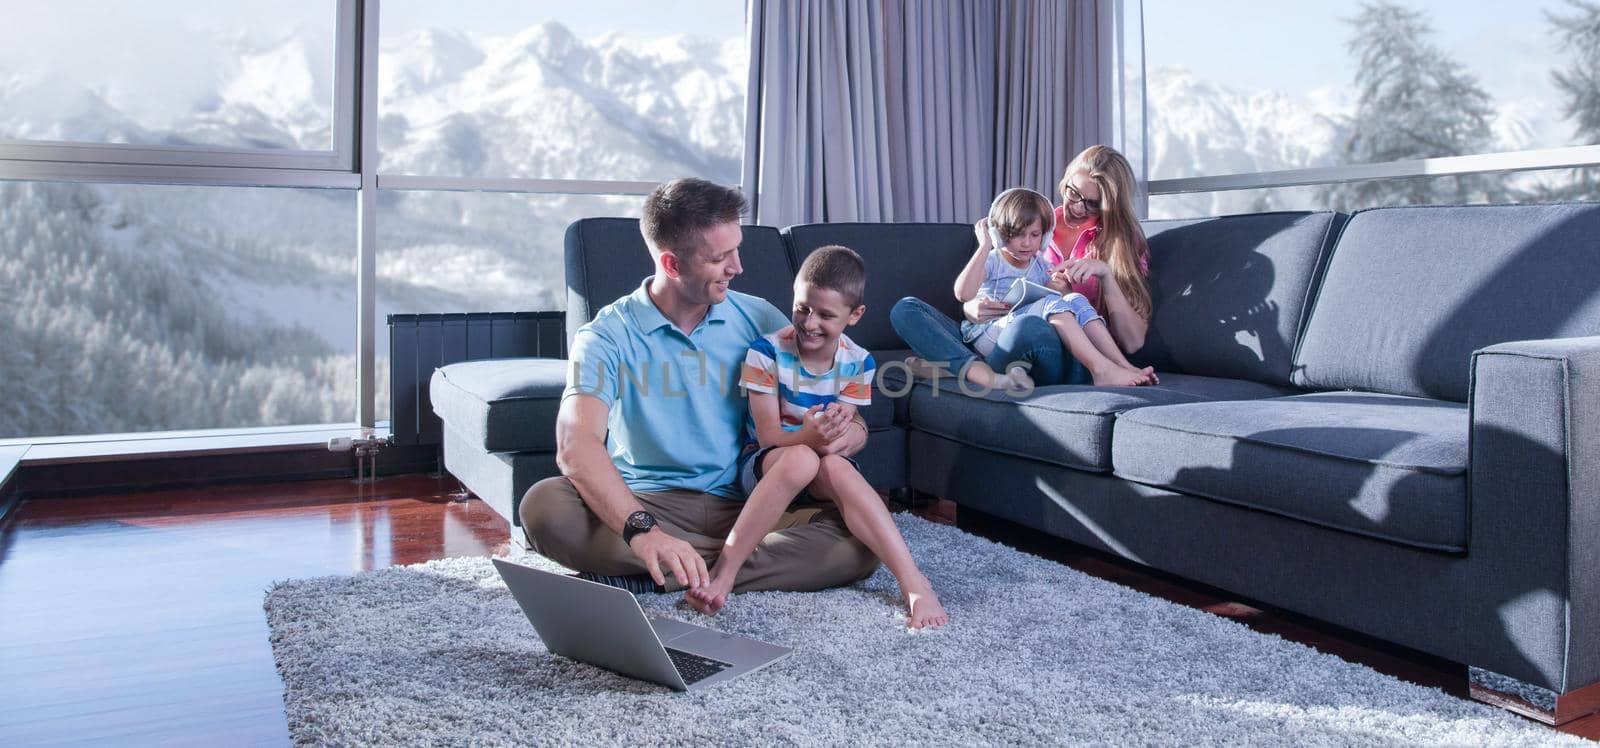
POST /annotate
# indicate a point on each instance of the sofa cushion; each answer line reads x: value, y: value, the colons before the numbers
x: 890, y: 390
x: 506, y: 404
x: 606, y: 258
x: 1068, y: 425
x: 1412, y: 292
x: 1230, y: 293
x: 1380, y: 465
x: 902, y: 259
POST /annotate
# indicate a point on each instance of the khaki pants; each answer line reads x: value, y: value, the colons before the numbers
x: 810, y: 549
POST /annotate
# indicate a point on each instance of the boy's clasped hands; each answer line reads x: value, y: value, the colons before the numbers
x: 826, y: 427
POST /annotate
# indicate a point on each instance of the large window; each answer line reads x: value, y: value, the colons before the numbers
x: 135, y: 308
x: 1364, y: 98
x: 190, y: 209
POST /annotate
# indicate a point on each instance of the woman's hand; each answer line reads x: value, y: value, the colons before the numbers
x: 981, y: 228
x: 1059, y: 282
x: 981, y: 310
x: 1083, y: 268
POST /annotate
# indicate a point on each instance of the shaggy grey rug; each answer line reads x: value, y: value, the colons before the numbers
x: 1036, y: 653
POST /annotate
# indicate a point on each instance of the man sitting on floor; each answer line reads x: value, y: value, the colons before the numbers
x: 659, y: 369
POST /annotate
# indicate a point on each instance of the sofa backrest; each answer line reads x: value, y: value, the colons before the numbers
x: 606, y: 259
x: 902, y: 259
x: 1410, y: 293
x: 1231, y: 293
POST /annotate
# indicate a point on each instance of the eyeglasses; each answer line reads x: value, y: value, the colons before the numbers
x: 1089, y: 206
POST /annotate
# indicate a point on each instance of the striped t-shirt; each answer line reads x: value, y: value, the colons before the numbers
x: 773, y: 365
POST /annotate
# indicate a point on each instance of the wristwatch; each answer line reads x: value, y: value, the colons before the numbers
x: 636, y: 523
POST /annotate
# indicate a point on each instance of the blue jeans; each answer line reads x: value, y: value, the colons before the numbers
x: 937, y: 338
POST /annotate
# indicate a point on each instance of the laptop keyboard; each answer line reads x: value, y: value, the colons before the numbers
x: 694, y: 668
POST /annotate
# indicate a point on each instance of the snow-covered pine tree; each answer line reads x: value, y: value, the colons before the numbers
x: 1414, y: 101
x: 1579, y: 83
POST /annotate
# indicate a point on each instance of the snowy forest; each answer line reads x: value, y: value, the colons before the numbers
x: 1411, y: 99
x: 142, y: 308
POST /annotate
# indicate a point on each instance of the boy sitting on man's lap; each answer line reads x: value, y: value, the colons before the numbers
x: 789, y: 456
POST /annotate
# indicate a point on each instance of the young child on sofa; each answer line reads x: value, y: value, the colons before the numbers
x: 803, y: 381
x: 1014, y: 243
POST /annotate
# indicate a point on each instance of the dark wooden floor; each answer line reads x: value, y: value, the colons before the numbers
x: 136, y: 618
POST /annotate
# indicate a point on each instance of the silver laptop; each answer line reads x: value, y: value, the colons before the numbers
x: 605, y: 626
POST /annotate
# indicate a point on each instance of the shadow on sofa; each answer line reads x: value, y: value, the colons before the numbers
x: 1431, y: 483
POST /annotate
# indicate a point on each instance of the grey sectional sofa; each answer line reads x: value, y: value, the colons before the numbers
x: 1389, y: 421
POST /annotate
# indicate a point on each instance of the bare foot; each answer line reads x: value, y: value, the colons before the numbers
x: 1147, y: 375
x: 1016, y: 379
x: 710, y: 598
x: 923, y: 369
x: 1116, y: 376
x: 924, y: 609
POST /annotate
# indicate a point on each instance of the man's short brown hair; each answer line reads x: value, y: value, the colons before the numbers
x: 837, y: 269
x: 678, y: 213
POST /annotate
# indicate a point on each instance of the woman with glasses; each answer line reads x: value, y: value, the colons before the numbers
x: 1098, y: 246
x: 1097, y: 249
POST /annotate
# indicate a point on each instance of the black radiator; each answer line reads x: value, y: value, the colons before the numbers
x: 420, y: 343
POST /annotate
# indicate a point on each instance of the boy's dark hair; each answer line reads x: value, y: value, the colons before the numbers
x: 837, y: 269
x: 678, y: 213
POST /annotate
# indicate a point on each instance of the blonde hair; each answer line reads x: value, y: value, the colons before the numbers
x: 1017, y: 208
x: 1121, y: 243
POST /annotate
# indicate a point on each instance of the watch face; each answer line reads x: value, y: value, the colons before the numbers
x: 641, y: 521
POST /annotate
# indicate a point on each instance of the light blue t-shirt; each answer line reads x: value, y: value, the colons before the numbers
x: 998, y: 275
x: 677, y: 412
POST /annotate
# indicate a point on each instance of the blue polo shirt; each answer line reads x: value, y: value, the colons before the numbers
x: 677, y: 412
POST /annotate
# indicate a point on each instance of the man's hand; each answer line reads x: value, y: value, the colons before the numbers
x: 848, y: 443
x: 663, y: 554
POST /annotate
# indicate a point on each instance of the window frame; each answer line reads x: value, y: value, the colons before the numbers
x: 59, y: 158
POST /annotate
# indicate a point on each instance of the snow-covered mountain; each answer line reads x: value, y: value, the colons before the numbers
x: 546, y: 104
x: 1200, y: 128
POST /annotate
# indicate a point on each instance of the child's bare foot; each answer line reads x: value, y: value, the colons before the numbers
x: 924, y: 609
x: 1015, y: 379
x: 1113, y: 375
x: 921, y: 368
x: 710, y: 598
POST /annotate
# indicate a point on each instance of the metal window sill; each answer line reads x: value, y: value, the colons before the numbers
x: 155, y: 445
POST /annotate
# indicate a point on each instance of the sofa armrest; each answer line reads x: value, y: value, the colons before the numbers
x: 501, y: 404
x: 1533, y: 610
